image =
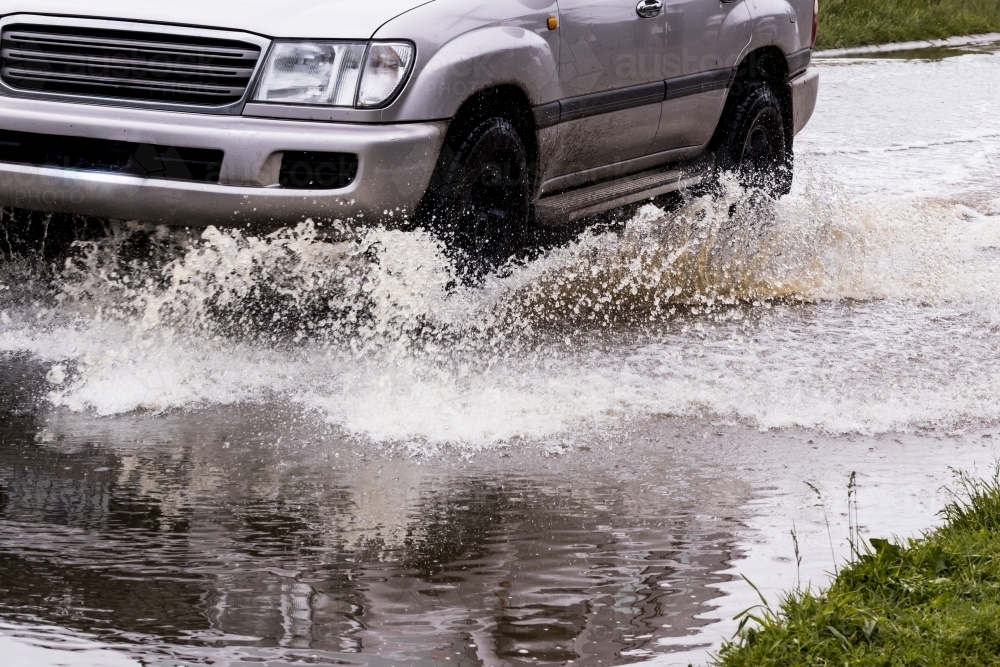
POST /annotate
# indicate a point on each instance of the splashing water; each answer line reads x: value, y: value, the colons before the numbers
x: 809, y: 311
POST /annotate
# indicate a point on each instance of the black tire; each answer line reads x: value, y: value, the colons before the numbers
x: 479, y: 200
x: 754, y: 143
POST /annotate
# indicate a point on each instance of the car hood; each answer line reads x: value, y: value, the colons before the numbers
x: 330, y: 19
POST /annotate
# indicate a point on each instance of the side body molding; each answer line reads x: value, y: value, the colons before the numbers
x: 611, y: 100
x: 703, y: 82
x: 553, y: 113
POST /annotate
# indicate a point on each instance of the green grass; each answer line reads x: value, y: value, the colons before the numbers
x: 933, y: 601
x: 845, y: 23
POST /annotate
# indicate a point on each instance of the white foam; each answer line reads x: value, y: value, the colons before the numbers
x: 31, y: 646
x: 415, y: 359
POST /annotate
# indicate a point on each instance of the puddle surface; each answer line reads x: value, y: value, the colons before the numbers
x: 222, y: 535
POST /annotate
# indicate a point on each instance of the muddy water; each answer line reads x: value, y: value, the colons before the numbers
x: 237, y: 449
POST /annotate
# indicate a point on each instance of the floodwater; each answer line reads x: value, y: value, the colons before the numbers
x: 234, y: 450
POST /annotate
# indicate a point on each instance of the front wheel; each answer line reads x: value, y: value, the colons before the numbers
x: 479, y: 201
x: 754, y: 144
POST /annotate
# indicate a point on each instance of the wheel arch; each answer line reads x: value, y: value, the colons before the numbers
x: 507, y: 101
x: 767, y: 64
x: 450, y: 73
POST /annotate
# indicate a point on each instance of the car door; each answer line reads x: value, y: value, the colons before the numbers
x: 705, y: 41
x: 610, y: 82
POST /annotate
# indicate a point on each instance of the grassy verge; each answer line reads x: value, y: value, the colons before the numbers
x: 859, y: 22
x: 934, y: 601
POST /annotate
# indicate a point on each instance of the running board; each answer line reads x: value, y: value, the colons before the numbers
x: 573, y: 205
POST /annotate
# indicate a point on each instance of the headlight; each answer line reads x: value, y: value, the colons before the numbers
x: 335, y: 74
x: 323, y: 73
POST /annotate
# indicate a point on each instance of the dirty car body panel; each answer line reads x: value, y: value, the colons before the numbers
x: 607, y: 93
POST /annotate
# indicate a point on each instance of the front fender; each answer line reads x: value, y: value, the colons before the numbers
x: 777, y: 23
x: 514, y: 48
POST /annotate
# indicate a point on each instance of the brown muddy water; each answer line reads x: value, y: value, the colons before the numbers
x: 236, y: 450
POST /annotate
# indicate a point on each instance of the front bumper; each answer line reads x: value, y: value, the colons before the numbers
x: 395, y: 167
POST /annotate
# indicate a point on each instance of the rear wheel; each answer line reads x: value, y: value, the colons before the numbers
x: 755, y: 145
x: 479, y: 201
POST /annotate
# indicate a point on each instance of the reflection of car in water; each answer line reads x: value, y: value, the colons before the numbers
x: 156, y: 538
x: 483, y: 119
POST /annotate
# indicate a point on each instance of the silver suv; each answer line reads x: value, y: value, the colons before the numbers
x: 480, y: 118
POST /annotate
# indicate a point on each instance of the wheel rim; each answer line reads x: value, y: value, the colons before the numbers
x: 762, y: 153
x: 496, y: 208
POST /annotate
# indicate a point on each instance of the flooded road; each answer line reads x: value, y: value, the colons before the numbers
x: 238, y: 450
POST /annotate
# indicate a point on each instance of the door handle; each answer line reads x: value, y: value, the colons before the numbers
x: 649, y: 9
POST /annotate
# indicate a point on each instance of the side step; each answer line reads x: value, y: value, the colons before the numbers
x: 573, y: 205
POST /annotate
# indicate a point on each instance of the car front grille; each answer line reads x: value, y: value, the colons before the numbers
x: 126, y: 65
